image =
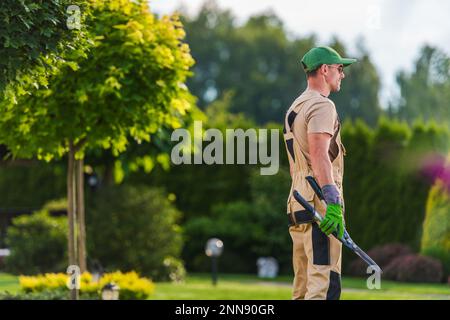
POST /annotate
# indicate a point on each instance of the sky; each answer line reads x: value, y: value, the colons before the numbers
x: 393, y: 30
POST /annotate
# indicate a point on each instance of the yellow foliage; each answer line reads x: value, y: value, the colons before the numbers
x: 131, y: 285
x: 181, y: 105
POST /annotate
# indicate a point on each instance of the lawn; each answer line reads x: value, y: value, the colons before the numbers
x: 9, y: 283
x: 231, y: 286
x: 199, y: 286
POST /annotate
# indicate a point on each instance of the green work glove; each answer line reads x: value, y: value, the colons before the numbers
x: 333, y: 220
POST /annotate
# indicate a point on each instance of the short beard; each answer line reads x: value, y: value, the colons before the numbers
x: 336, y: 89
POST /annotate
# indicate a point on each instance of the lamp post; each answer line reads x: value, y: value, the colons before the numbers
x: 214, y: 248
x: 110, y: 292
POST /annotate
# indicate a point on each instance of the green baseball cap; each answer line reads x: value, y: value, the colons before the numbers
x: 315, y: 57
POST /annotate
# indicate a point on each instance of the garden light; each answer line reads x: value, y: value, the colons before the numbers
x: 214, y: 248
x: 110, y: 292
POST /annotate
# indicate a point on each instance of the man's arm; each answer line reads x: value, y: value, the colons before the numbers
x: 321, y: 165
x: 319, y: 144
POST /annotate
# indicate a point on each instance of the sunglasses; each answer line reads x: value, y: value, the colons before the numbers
x: 340, y: 68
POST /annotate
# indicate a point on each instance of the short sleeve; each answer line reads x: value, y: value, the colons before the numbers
x: 321, y: 118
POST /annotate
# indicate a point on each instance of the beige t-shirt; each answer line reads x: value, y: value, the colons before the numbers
x: 313, y: 113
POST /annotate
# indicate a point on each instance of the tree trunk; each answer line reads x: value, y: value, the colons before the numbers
x: 80, y: 215
x: 71, y: 211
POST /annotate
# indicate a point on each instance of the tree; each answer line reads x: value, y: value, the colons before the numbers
x: 256, y: 61
x: 358, y: 97
x: 130, y: 85
x: 36, y: 39
x: 260, y: 62
x: 425, y: 92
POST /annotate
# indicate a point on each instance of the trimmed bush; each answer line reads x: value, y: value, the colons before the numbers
x: 436, y: 227
x: 132, y: 286
x: 382, y: 186
x: 134, y: 228
x: 414, y: 268
x: 382, y: 255
x: 38, y: 244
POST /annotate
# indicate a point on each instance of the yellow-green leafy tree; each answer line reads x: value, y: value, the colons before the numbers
x: 36, y: 39
x: 130, y: 85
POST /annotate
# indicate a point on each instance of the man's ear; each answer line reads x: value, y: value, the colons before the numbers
x: 321, y: 70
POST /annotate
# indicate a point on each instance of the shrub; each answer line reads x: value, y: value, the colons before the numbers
x: 249, y: 230
x: 45, y: 295
x: 414, y: 268
x: 175, y: 270
x: 134, y: 228
x: 382, y: 255
x: 48, y: 281
x: 38, y: 244
x: 132, y: 287
x: 436, y: 227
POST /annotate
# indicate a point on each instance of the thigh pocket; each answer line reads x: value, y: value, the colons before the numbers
x: 320, y: 246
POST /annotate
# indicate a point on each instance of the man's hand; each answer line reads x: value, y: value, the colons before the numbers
x: 333, y: 220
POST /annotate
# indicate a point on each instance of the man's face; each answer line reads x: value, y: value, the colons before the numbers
x: 334, y: 76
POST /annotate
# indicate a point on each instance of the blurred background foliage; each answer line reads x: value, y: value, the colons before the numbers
x: 246, y: 76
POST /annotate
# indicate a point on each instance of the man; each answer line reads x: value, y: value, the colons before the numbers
x: 313, y: 142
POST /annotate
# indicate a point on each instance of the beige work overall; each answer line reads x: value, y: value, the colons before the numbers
x: 316, y: 257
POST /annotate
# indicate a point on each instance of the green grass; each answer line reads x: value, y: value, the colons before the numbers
x: 9, y: 283
x: 232, y: 286
x: 199, y: 286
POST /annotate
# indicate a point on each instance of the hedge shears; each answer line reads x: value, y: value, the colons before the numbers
x: 346, y: 240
